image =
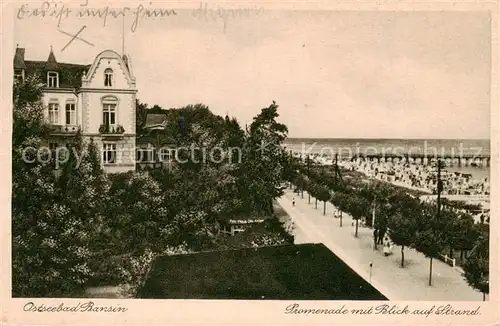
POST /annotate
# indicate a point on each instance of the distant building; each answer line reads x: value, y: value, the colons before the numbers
x: 99, y: 98
x: 154, y: 148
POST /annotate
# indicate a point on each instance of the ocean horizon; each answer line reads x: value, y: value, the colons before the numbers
x: 348, y: 146
x: 478, y: 147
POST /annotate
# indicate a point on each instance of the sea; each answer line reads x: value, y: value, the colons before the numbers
x: 346, y: 147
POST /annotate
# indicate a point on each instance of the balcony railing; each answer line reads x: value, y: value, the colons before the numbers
x: 63, y: 129
x: 111, y: 129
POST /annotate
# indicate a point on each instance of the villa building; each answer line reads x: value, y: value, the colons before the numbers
x: 155, y: 149
x: 99, y: 99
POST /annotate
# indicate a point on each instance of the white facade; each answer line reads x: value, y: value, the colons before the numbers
x: 103, y: 107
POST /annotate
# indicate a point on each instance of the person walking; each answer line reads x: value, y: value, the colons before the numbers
x: 387, y: 246
x: 293, y: 201
x: 375, y: 238
x: 381, y: 234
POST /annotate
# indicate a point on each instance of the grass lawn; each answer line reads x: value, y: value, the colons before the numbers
x: 300, y: 272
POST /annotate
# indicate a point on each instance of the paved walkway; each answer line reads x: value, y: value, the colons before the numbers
x: 386, y: 274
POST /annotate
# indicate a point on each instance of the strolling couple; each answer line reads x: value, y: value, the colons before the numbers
x: 378, y: 235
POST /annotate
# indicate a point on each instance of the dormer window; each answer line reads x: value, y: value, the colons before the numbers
x: 52, y: 79
x: 108, y: 77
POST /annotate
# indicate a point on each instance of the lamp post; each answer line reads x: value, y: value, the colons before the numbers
x: 438, y: 210
x: 336, y: 167
x: 439, y: 188
x: 309, y: 192
x: 373, y: 225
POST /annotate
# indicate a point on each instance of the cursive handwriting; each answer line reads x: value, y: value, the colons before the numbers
x: 46, y: 9
x: 88, y: 306
x: 224, y: 14
x: 60, y: 12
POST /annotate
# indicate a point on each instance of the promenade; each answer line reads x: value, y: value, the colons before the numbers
x: 396, y: 283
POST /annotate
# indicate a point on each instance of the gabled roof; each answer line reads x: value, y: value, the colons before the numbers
x: 110, y: 54
x: 155, y: 120
x: 70, y: 75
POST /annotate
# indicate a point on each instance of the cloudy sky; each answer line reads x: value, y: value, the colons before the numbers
x: 334, y: 74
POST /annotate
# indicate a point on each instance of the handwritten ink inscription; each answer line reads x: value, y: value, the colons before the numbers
x: 60, y: 12
x: 210, y: 14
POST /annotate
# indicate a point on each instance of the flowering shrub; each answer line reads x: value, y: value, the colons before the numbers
x: 79, y: 226
x: 128, y: 271
x: 268, y: 240
x: 135, y: 270
x: 289, y: 226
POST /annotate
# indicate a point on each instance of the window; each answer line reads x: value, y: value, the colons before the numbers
x: 145, y: 153
x: 109, y: 153
x: 166, y: 155
x: 70, y: 114
x: 52, y: 79
x: 148, y: 153
x: 54, y: 113
x: 108, y: 77
x: 19, y: 75
x: 109, y: 114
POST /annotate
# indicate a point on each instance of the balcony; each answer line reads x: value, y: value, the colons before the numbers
x: 64, y: 130
x: 111, y: 130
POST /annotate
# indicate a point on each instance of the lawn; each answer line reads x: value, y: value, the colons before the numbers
x: 300, y: 272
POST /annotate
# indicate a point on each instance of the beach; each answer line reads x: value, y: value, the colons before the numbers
x: 357, y: 146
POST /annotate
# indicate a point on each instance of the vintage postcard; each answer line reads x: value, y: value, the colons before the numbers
x: 249, y: 163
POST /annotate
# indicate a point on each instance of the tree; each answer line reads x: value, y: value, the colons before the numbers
x: 207, y: 190
x: 141, y: 112
x: 402, y: 232
x: 290, y: 168
x: 453, y: 223
x: 262, y: 157
x: 137, y: 216
x: 429, y: 243
x: 49, y: 242
x: 476, y: 268
x: 340, y: 201
x: 83, y: 187
x: 313, y: 189
x: 28, y: 119
x: 301, y: 183
x: 429, y: 235
x: 323, y: 194
x: 358, y: 207
x: 467, y: 233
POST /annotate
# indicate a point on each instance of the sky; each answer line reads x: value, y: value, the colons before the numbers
x: 334, y: 74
